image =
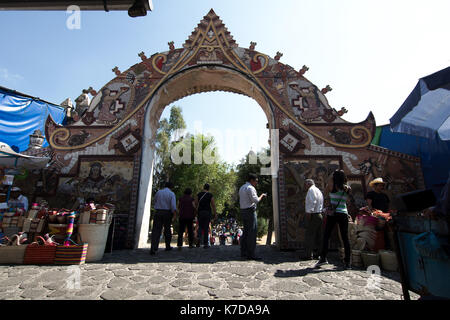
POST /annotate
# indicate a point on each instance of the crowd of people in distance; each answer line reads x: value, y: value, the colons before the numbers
x: 195, y: 215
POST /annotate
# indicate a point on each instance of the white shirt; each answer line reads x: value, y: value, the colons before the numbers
x: 314, y: 200
x: 165, y: 200
x: 247, y: 196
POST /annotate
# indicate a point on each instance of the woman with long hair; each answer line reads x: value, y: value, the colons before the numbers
x: 339, y: 192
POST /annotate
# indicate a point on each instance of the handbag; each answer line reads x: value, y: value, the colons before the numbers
x: 71, y: 254
x: 40, y: 254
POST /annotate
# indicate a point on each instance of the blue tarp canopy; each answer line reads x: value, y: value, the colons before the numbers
x: 434, y: 154
x: 21, y: 115
x: 426, y: 111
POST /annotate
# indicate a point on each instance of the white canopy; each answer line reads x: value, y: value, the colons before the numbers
x: 8, y: 158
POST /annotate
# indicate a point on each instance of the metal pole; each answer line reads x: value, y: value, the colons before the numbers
x: 403, y: 274
x: 10, y: 187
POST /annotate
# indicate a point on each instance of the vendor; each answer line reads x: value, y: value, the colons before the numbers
x: 376, y: 199
x: 16, y: 195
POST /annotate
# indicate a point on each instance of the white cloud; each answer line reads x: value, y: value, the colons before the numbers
x: 6, y: 76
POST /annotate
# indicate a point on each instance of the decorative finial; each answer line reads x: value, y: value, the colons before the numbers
x: 342, y: 111
x: 303, y: 70
x: 326, y: 89
x: 171, y: 45
x: 142, y: 56
x: 116, y: 71
x: 252, y: 46
x: 91, y: 91
x: 278, y: 56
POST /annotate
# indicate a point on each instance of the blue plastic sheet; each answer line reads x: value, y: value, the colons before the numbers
x: 20, y: 116
x: 433, y: 153
x: 426, y: 111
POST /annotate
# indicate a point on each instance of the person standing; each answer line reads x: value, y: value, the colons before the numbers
x: 377, y: 199
x: 186, y: 208
x: 166, y: 209
x: 248, y: 200
x: 313, y: 219
x: 20, y: 198
x: 339, y: 192
x: 204, y: 203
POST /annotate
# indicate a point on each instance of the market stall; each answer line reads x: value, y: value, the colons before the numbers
x: 38, y: 234
x: 422, y: 233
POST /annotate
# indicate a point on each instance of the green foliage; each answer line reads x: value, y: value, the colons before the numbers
x: 220, y: 176
x: 164, y: 134
x: 262, y: 227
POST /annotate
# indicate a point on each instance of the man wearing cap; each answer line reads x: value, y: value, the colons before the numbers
x: 16, y: 195
x: 313, y: 219
x: 376, y: 199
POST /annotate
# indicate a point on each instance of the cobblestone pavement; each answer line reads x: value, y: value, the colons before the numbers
x: 197, y: 274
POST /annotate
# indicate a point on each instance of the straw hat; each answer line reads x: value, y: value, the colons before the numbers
x: 376, y: 181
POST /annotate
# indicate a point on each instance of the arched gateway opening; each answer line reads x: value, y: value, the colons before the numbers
x: 194, y: 80
x: 116, y: 130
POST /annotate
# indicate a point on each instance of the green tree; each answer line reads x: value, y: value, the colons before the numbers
x: 164, y: 135
x: 218, y: 174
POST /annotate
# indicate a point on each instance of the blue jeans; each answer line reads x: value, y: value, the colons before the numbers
x: 248, y: 239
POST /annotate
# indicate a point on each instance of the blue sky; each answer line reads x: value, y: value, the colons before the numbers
x: 370, y: 52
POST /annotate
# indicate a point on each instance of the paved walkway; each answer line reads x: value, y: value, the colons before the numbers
x: 197, y: 274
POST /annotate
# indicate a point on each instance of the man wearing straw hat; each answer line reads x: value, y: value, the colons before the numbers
x: 376, y: 199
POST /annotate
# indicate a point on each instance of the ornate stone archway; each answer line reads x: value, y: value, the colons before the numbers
x: 118, y: 127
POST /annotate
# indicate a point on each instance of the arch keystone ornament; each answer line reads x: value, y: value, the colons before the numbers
x: 122, y: 119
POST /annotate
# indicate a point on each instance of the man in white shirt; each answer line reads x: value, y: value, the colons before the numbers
x: 248, y: 199
x: 313, y: 219
x: 166, y: 209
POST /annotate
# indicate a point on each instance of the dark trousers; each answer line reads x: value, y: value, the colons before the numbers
x: 183, y: 223
x: 342, y: 221
x: 204, y: 219
x: 248, y: 239
x: 314, y: 234
x: 160, y: 220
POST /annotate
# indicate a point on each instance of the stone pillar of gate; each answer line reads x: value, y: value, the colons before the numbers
x: 145, y: 182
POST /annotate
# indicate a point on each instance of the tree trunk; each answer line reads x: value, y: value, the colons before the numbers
x: 269, y: 232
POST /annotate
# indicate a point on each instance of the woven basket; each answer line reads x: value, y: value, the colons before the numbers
x: 12, y: 254
x: 40, y: 254
x: 388, y: 260
x: 74, y: 254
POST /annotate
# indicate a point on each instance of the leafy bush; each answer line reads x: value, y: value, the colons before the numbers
x: 262, y: 227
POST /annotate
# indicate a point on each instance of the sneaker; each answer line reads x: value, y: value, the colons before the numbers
x: 321, y: 262
x: 347, y: 266
x: 169, y: 248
